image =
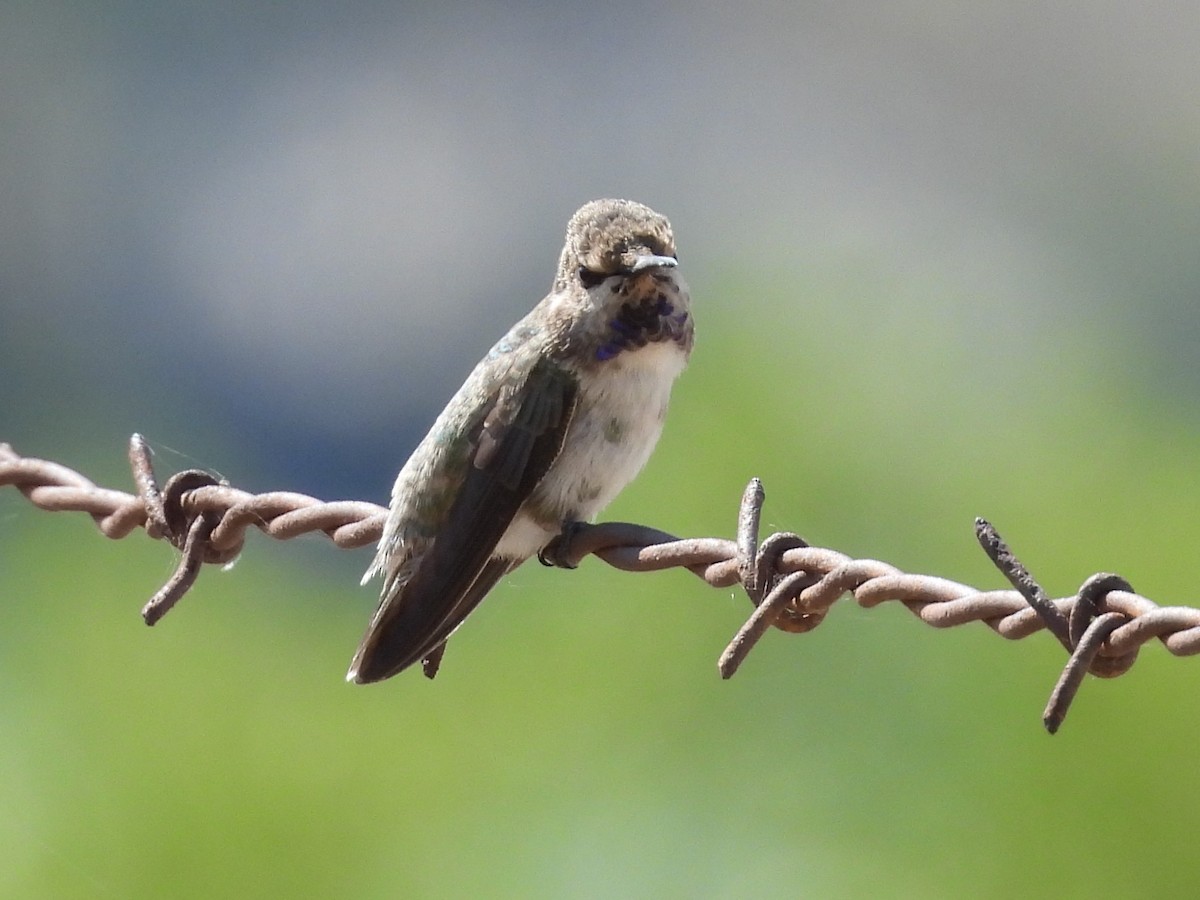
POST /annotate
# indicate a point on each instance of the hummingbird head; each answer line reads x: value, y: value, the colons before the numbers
x: 608, y: 238
x: 618, y: 284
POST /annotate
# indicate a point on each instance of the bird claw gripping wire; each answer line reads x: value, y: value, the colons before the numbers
x: 759, y: 568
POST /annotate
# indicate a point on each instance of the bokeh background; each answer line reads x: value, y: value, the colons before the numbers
x: 945, y: 263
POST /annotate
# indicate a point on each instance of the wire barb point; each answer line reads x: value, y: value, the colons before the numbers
x: 1082, y: 633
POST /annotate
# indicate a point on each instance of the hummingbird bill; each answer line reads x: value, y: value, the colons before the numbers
x: 552, y: 423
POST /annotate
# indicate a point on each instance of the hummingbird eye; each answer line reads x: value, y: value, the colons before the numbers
x: 589, y: 277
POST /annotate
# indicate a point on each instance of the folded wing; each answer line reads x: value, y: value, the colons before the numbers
x: 520, y: 438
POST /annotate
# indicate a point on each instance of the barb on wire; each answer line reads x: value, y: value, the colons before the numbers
x: 790, y: 584
x: 198, y: 514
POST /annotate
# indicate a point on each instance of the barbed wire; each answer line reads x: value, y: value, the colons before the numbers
x: 791, y: 585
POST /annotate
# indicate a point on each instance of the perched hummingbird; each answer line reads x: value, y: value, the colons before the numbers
x: 558, y: 417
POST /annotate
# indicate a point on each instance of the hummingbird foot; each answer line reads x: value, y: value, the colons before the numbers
x: 557, y: 554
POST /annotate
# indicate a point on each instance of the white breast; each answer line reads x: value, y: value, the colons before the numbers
x: 617, y: 422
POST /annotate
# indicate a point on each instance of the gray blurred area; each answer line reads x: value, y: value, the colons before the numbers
x: 302, y: 223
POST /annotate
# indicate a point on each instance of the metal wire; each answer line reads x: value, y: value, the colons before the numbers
x: 791, y: 585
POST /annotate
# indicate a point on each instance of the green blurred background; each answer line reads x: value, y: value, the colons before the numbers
x: 944, y: 262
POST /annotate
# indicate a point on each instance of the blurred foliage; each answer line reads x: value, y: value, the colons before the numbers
x: 578, y: 741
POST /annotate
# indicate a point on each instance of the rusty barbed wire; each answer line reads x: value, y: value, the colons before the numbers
x: 791, y: 585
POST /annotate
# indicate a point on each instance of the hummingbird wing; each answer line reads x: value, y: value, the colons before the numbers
x: 521, y: 435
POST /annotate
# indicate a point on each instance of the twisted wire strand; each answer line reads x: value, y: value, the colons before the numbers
x: 280, y: 514
x: 790, y: 584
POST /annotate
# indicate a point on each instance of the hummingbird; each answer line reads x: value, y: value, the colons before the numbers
x: 552, y: 423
